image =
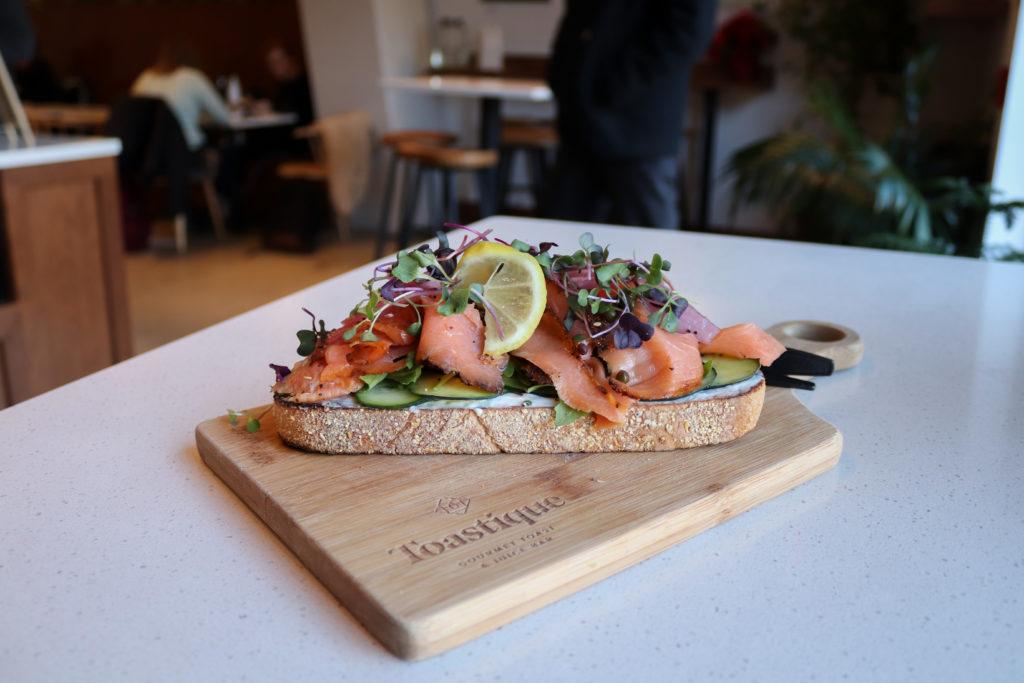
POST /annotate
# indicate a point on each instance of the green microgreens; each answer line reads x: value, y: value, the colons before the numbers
x: 453, y: 301
x: 309, y: 339
x: 417, y: 278
x: 603, y: 293
x: 252, y: 424
x: 409, y: 375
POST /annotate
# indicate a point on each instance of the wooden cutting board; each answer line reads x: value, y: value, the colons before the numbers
x: 431, y: 551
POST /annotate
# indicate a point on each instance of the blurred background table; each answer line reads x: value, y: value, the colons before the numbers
x: 270, y: 119
x: 87, y: 119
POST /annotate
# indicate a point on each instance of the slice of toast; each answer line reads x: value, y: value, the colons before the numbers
x: 471, y: 431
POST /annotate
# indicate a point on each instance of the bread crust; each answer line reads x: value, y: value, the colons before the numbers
x: 468, y: 431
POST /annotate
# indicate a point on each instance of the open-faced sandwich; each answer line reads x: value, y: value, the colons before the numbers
x: 490, y: 347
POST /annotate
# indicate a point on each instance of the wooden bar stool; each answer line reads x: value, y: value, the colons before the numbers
x: 535, y: 140
x: 390, y: 141
x: 442, y: 163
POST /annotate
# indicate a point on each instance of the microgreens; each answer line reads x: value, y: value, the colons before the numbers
x: 605, y: 295
x: 625, y: 299
x: 308, y: 339
x: 280, y: 372
x: 252, y: 424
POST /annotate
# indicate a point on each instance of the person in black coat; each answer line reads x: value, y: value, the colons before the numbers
x: 620, y: 72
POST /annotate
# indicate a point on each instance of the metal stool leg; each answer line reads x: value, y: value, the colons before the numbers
x: 411, y: 191
x: 486, y: 190
x: 535, y: 158
x: 505, y: 159
x: 451, y: 206
x: 384, y: 224
x: 434, y: 208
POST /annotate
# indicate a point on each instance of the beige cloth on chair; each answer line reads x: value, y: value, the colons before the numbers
x: 346, y: 148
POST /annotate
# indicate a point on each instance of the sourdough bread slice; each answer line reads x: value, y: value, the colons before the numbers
x: 469, y: 431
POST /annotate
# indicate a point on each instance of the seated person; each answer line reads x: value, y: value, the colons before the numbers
x: 188, y: 93
x: 291, y: 93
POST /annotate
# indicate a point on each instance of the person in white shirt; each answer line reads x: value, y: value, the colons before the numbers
x: 187, y: 91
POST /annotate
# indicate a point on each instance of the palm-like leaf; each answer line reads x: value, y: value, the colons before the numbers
x: 846, y: 179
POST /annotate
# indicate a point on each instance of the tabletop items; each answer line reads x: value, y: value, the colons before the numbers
x: 836, y: 342
x: 430, y: 551
x: 900, y: 553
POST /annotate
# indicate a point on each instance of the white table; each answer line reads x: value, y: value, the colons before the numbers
x: 270, y: 119
x: 123, y: 557
x: 499, y: 87
x: 55, y: 149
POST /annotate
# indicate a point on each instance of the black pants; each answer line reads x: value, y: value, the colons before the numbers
x: 636, y: 192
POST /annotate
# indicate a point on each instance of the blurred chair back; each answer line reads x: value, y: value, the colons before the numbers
x: 152, y: 145
x: 345, y: 147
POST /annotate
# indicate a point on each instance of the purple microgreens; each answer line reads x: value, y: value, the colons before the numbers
x: 280, y: 372
x: 600, y: 291
x: 631, y: 332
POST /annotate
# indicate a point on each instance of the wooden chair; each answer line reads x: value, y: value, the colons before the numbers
x: 441, y: 163
x: 204, y: 176
x: 342, y: 150
x: 533, y: 140
x: 390, y: 141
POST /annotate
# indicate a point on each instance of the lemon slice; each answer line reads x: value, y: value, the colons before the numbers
x: 514, y: 288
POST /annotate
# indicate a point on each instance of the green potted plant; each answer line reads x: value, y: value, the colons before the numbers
x: 839, y: 184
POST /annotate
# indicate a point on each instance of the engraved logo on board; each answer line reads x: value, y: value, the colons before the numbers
x: 523, y: 518
x: 452, y: 506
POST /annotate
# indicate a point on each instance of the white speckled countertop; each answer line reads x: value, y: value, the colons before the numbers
x: 123, y: 558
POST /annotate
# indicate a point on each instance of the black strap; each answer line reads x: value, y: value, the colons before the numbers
x: 797, y: 362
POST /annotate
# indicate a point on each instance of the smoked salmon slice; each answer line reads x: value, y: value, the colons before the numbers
x: 455, y: 343
x: 745, y: 341
x: 334, y: 369
x: 550, y: 349
x: 665, y: 366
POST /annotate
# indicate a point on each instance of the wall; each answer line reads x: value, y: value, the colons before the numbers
x: 1008, y: 174
x: 528, y: 28
x: 108, y: 43
x: 342, y: 53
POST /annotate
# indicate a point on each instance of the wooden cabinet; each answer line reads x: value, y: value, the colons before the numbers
x: 67, y: 314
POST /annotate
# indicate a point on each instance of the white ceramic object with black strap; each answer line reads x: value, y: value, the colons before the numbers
x: 830, y: 340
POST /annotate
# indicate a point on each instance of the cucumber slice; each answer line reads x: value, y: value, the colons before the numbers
x: 387, y: 395
x: 726, y: 370
x: 446, y: 386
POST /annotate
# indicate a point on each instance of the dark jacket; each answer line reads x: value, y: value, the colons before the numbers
x: 620, y: 70
x: 152, y: 146
x: 294, y: 96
